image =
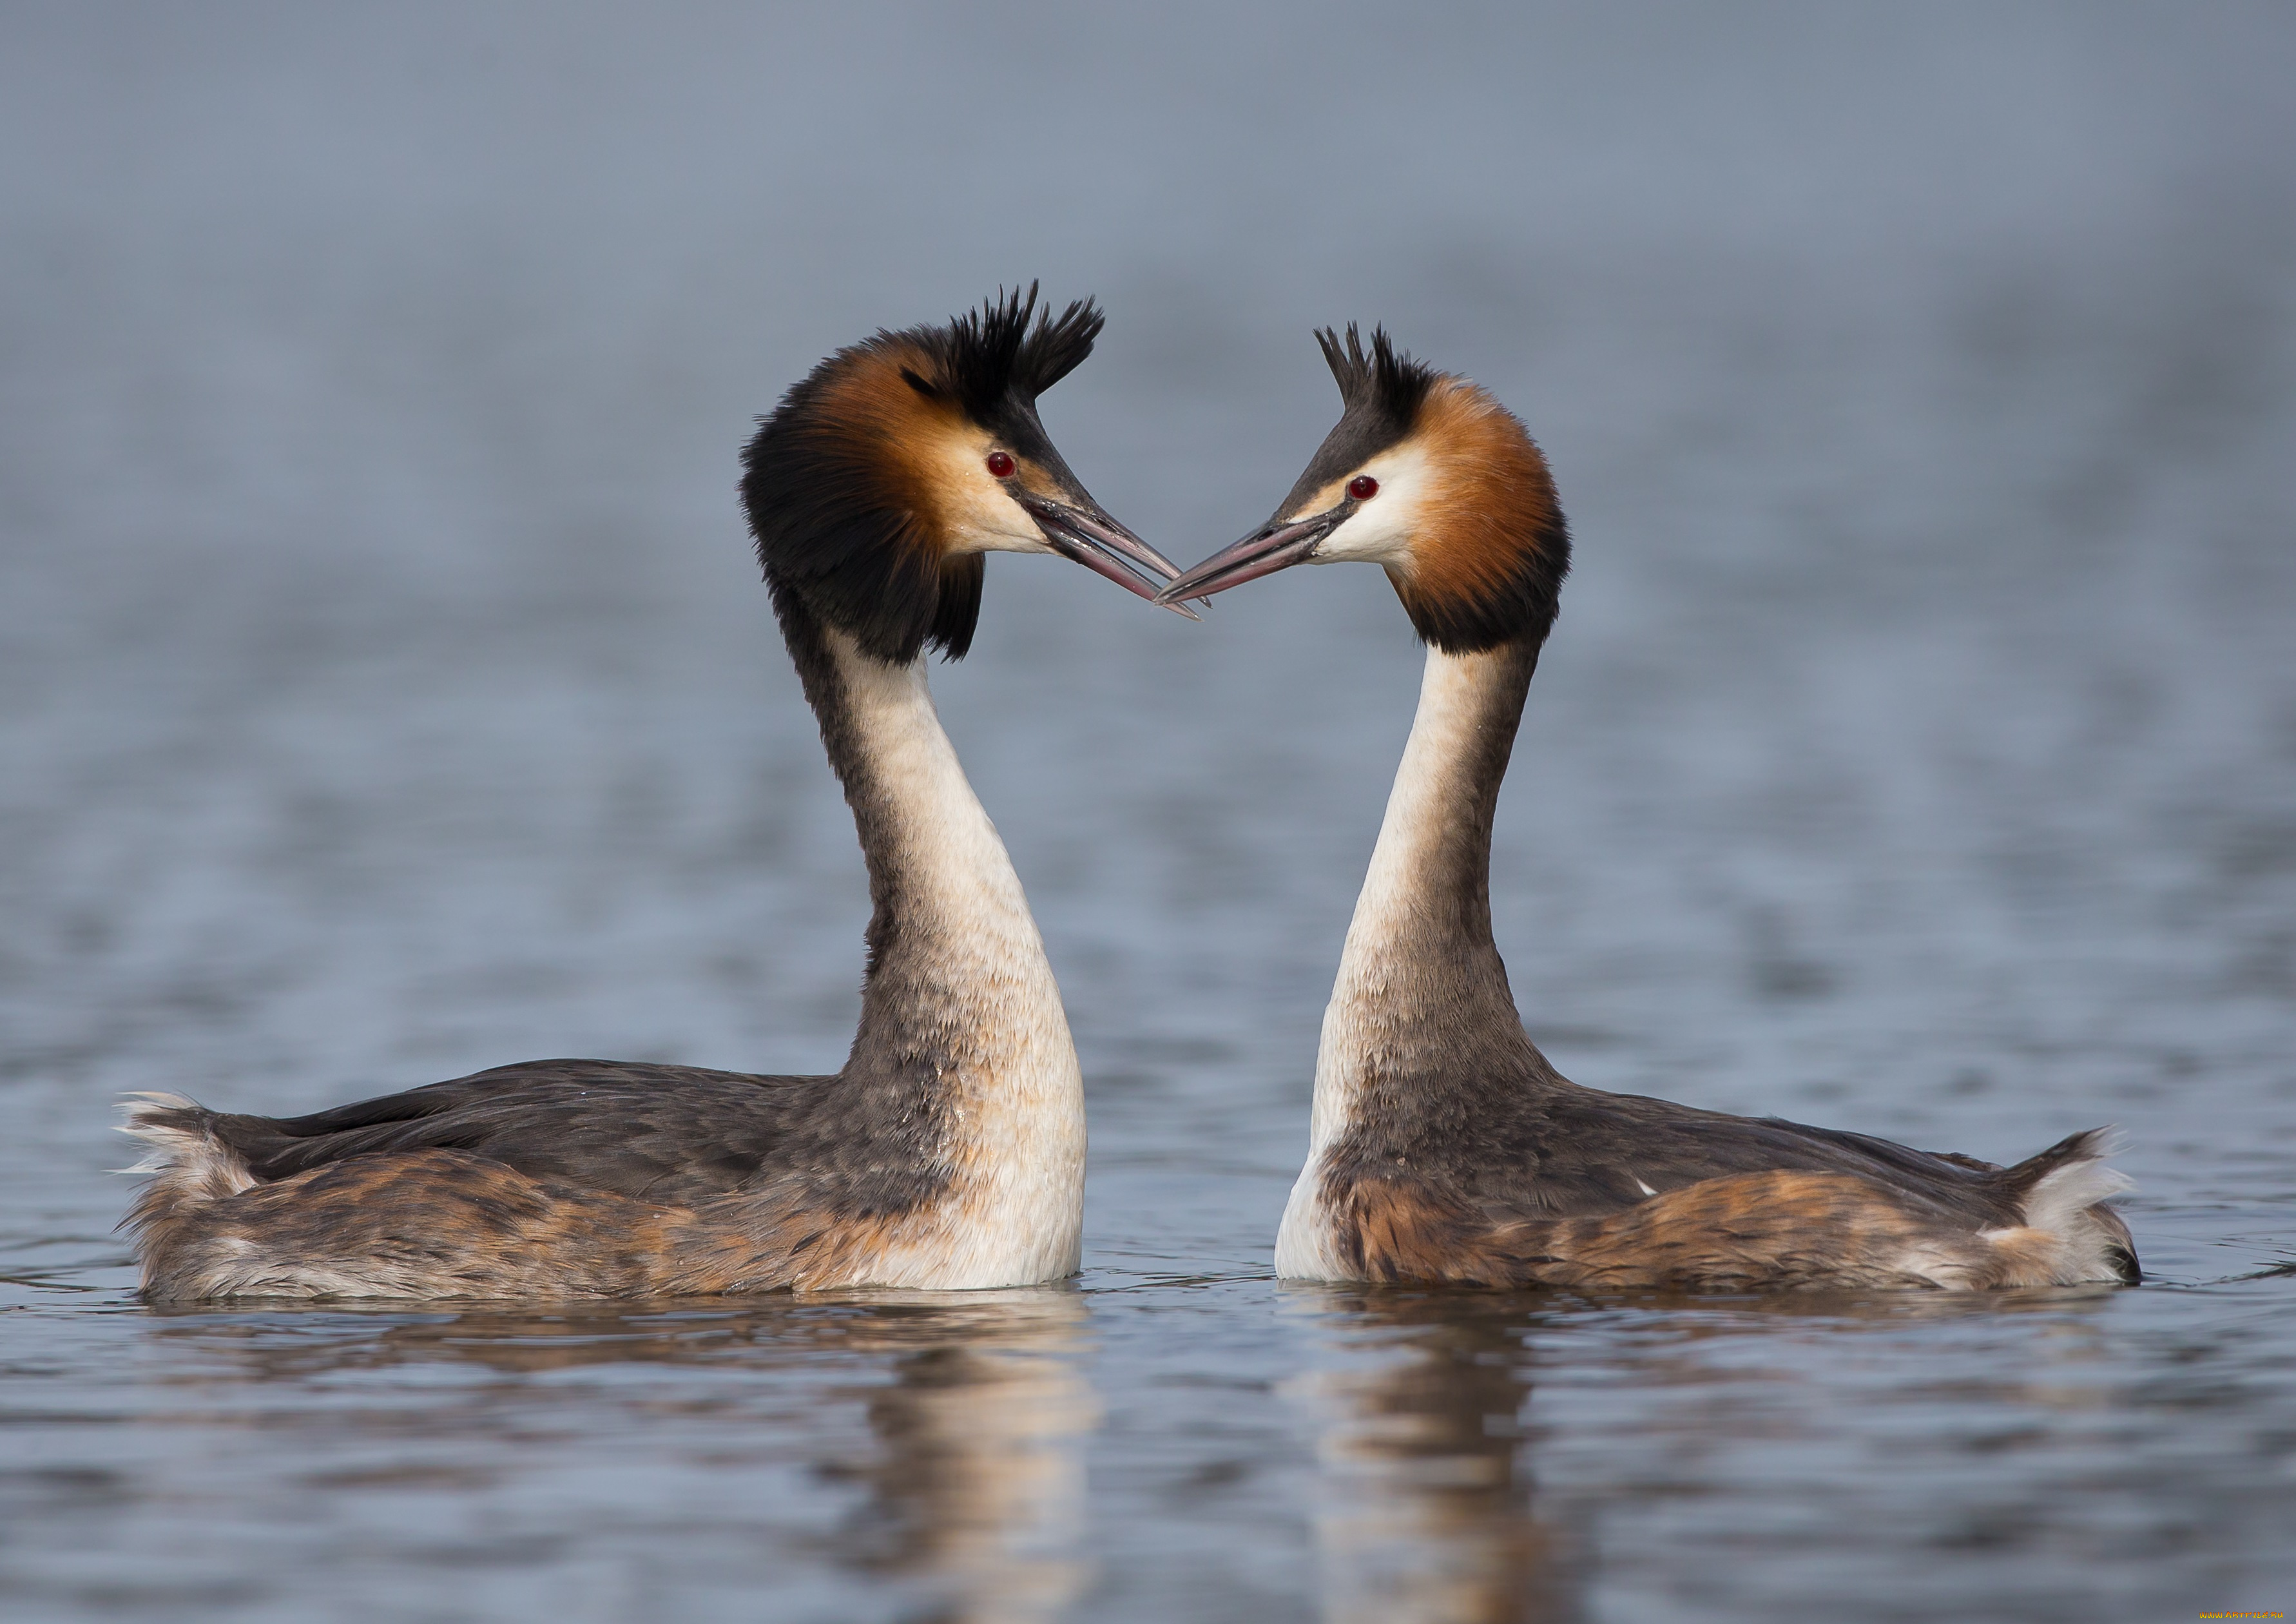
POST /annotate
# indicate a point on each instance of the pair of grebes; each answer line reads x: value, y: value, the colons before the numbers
x: 949, y: 1152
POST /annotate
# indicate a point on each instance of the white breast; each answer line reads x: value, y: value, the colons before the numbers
x: 1307, y: 1245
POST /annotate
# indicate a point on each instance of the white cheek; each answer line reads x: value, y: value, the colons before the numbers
x: 1375, y: 533
x: 996, y: 524
x: 1379, y: 531
x: 979, y: 514
x: 1003, y: 542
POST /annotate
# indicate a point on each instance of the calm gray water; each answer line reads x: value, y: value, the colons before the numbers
x: 385, y: 692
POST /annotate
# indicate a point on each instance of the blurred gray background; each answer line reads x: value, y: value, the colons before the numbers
x: 386, y: 691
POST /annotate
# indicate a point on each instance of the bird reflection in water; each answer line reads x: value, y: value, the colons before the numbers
x: 978, y: 1487
x: 977, y: 1411
x: 1428, y: 1513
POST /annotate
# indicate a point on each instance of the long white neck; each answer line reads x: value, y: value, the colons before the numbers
x: 958, y: 987
x: 1422, y: 1003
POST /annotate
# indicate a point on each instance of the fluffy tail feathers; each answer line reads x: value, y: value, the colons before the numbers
x: 2065, y: 1194
x: 193, y: 1164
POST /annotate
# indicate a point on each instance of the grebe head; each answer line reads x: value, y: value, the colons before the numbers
x: 1429, y: 476
x: 880, y: 481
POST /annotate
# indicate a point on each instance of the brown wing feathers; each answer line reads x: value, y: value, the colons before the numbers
x: 660, y: 1133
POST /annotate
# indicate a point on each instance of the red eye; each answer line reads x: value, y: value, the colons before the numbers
x: 1363, y: 488
x: 1000, y: 463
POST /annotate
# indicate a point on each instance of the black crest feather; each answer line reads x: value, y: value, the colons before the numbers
x: 1381, y: 384
x: 836, y: 527
x: 990, y: 356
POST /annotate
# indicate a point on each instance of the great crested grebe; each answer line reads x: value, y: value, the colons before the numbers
x: 1443, y: 1146
x: 949, y: 1152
